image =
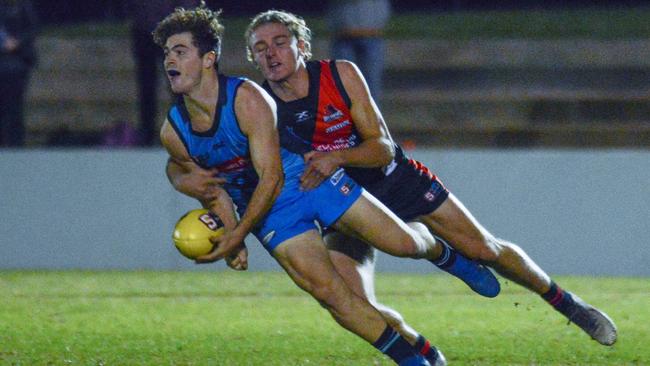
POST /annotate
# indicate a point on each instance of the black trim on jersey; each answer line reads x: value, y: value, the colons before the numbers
x: 314, y: 70
x: 339, y: 84
x: 222, y: 98
x: 173, y: 122
x: 240, y: 82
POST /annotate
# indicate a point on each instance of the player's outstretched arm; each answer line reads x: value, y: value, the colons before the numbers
x: 376, y: 148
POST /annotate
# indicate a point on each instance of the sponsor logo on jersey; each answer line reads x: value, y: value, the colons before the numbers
x: 336, y: 177
x: 302, y: 116
x: 337, y: 126
x: 338, y: 144
x: 237, y: 163
x: 267, y: 238
x: 331, y: 113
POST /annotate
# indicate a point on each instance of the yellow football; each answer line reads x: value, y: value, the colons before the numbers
x: 193, y: 231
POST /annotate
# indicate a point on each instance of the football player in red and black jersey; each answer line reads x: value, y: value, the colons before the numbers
x: 326, y: 113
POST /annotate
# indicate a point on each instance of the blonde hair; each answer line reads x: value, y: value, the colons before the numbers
x: 295, y: 24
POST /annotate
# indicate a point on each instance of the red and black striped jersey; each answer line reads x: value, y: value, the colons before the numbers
x: 322, y: 121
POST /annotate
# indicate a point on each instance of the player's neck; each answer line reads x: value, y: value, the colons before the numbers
x: 296, y: 86
x: 206, y: 90
x: 201, y: 101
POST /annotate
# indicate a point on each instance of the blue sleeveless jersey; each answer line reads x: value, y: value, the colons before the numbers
x: 225, y: 147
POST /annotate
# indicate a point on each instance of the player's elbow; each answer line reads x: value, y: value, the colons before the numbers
x: 174, y: 174
x: 387, y: 153
x: 277, y: 179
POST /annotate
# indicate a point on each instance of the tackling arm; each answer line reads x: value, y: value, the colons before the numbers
x: 191, y: 180
x: 376, y: 148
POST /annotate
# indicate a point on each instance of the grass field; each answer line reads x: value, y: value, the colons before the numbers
x: 228, y: 318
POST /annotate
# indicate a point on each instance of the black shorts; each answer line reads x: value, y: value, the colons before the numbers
x: 411, y: 190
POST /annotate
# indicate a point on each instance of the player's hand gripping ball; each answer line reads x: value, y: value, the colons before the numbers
x: 193, y: 231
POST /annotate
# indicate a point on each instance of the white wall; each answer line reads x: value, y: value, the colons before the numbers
x: 575, y: 212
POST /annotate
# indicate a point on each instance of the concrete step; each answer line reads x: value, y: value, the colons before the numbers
x: 86, y: 84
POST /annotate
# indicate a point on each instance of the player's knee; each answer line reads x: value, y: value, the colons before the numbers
x: 392, y: 317
x: 491, y: 249
x: 411, y: 247
x: 327, y: 294
x: 482, y: 249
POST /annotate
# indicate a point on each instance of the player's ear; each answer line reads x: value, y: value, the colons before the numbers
x: 209, y: 59
x: 301, y: 47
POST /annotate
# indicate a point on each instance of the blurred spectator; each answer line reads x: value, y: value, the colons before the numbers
x: 148, y: 58
x: 17, y: 57
x: 358, y: 27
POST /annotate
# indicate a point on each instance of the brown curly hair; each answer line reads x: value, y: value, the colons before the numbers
x: 203, y: 23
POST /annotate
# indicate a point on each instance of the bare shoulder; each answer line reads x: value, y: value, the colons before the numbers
x: 251, y: 92
x: 253, y: 105
x: 348, y: 71
x: 353, y: 81
x: 172, y: 143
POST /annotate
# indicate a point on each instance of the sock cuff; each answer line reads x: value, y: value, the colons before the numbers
x: 422, y: 345
x: 393, y: 345
x: 386, y: 339
x: 447, y: 257
x: 554, y: 295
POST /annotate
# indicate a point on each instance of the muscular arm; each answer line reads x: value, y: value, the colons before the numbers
x: 255, y: 112
x: 257, y: 119
x: 376, y: 148
x: 180, y: 168
x: 194, y: 181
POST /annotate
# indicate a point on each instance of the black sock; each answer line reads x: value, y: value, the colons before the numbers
x: 424, y: 347
x: 446, y: 258
x: 393, y: 345
x: 558, y: 298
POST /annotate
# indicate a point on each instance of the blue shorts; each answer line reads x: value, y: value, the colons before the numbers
x: 295, y: 211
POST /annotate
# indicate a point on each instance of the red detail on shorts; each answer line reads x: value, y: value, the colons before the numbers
x: 422, y: 169
x: 426, y: 348
x: 557, y: 298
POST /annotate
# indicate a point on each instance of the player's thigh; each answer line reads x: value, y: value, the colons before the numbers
x: 369, y: 220
x: 306, y: 260
x: 453, y: 222
x: 354, y: 260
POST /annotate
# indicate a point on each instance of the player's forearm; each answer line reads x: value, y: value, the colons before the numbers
x: 267, y: 190
x: 223, y: 207
x: 371, y: 153
x: 175, y: 173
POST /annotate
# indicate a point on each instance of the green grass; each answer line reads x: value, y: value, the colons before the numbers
x: 622, y: 23
x: 228, y: 318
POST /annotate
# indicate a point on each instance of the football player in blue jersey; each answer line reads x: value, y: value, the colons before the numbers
x: 339, y: 125
x: 229, y: 123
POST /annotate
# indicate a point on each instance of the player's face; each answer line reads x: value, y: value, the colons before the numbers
x: 183, y: 64
x: 276, y: 51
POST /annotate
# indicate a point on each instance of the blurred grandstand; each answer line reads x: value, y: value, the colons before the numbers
x: 457, y: 74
